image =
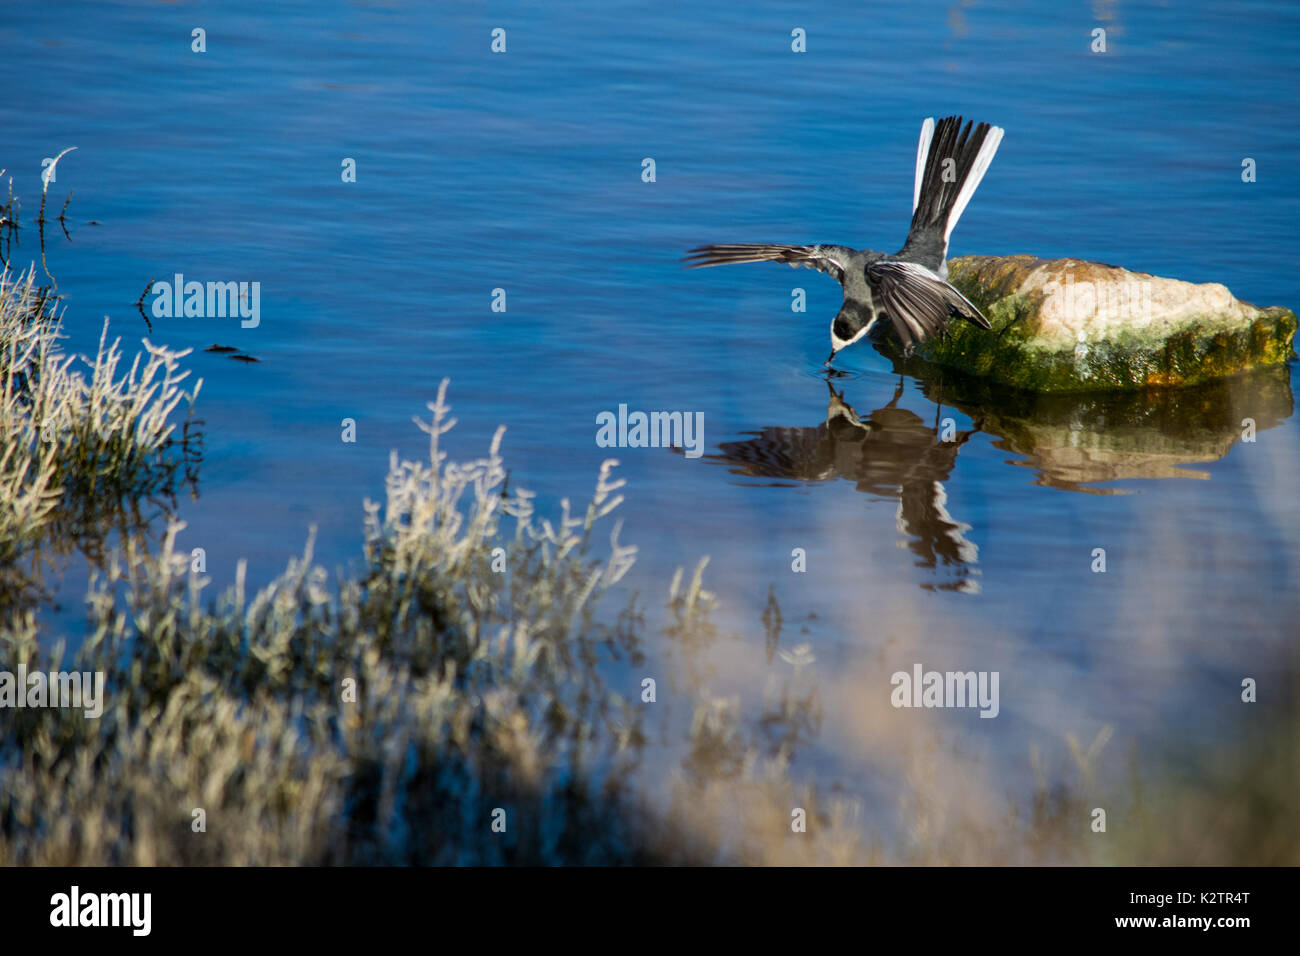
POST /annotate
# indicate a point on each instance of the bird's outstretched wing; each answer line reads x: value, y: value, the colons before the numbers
x: 917, y: 301
x: 832, y: 260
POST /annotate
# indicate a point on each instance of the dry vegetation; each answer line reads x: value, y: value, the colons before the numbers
x: 85, y: 439
x: 384, y: 717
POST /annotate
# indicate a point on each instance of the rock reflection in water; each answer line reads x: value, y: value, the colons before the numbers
x: 1079, y: 441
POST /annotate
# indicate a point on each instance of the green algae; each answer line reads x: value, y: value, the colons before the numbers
x: 1013, y: 353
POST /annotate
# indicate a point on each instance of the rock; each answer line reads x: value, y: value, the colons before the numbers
x: 1063, y: 325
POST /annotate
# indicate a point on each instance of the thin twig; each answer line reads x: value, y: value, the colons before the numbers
x: 63, y: 213
x: 40, y: 219
x: 139, y: 304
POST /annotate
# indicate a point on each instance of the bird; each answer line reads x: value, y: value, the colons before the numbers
x: 909, y: 288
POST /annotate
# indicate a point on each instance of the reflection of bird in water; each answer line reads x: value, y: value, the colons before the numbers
x: 893, y: 454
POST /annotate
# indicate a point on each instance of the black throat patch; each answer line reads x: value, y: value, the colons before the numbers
x: 853, y: 317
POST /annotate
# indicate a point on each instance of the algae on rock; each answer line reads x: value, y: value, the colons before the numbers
x: 1072, y: 325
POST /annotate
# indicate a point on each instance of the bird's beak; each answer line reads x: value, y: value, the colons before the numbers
x: 832, y: 357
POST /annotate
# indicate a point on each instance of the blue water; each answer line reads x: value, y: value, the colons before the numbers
x: 522, y: 171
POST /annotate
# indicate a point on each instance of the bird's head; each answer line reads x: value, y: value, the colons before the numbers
x: 850, y: 324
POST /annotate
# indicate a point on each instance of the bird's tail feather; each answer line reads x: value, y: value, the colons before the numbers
x: 922, y: 151
x: 950, y: 162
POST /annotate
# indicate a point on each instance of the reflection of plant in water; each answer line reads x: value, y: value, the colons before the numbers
x: 690, y: 628
x: 10, y: 210
x: 772, y: 623
x: 792, y: 709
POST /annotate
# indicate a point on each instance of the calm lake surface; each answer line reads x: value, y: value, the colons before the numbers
x: 522, y: 171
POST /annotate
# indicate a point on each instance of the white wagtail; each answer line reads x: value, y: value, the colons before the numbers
x: 908, y: 287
